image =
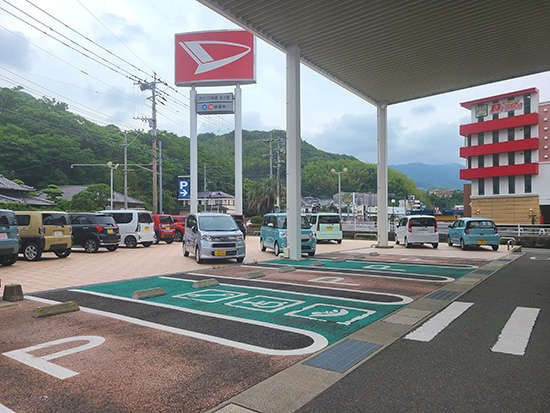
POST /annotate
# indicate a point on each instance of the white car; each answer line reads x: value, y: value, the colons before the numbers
x: 135, y: 226
x: 417, y: 229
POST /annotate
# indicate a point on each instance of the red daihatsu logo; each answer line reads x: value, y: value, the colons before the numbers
x: 224, y: 57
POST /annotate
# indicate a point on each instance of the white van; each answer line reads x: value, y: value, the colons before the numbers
x: 417, y: 229
x: 135, y: 226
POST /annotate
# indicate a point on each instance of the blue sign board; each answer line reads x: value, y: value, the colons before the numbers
x: 183, y: 188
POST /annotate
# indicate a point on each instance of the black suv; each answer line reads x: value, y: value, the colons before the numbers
x: 92, y: 231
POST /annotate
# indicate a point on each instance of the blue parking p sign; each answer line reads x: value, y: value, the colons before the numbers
x: 183, y: 188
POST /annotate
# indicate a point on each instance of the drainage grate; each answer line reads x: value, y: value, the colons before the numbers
x: 443, y: 295
x: 343, y: 355
x: 483, y: 272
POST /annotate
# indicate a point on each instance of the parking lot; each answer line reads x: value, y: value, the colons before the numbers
x: 193, y: 349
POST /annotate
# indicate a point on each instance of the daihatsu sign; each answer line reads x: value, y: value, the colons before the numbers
x: 215, y: 58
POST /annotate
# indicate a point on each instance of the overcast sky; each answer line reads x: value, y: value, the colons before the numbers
x: 142, y: 32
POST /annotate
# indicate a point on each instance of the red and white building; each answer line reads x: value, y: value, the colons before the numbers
x: 506, y: 147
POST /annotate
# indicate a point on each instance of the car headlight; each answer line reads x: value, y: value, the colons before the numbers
x: 311, y: 235
x: 207, y: 237
x: 239, y: 237
x: 283, y: 234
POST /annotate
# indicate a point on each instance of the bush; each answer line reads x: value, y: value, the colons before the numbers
x: 256, y: 220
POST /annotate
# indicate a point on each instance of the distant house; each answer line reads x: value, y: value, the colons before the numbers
x: 11, y: 192
x: 213, y: 201
x: 118, y: 199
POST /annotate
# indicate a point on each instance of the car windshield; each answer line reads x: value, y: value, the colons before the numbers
x: 422, y: 222
x: 329, y: 219
x: 217, y: 223
x: 281, y: 222
x: 55, y: 219
x: 481, y: 224
x: 165, y: 220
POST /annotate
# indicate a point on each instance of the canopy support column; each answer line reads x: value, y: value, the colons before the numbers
x: 293, y: 153
x: 382, y: 177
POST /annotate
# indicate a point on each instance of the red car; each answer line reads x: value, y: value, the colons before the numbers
x: 164, y: 228
x: 179, y: 224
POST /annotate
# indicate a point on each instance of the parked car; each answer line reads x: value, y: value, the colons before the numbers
x: 9, y: 237
x: 135, y: 226
x: 417, y: 229
x: 327, y: 226
x: 273, y: 234
x: 43, y: 231
x: 211, y: 235
x: 179, y: 225
x: 92, y: 231
x: 469, y: 232
x: 239, y: 220
x: 164, y: 228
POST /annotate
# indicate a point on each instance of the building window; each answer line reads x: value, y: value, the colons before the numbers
x: 527, y: 157
x: 496, y: 185
x: 495, y: 159
x: 495, y: 136
x: 469, y: 163
x: 527, y: 132
x: 527, y: 104
x: 481, y: 138
x: 528, y: 184
x: 469, y: 140
x: 512, y: 184
x: 510, y: 113
x: 511, y: 158
x: 511, y: 134
x: 481, y: 161
x: 481, y: 186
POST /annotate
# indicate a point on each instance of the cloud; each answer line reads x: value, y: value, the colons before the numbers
x: 126, y: 33
x: 15, y: 50
x: 423, y: 109
x: 356, y: 135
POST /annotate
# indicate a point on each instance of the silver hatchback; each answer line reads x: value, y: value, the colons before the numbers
x: 213, y: 236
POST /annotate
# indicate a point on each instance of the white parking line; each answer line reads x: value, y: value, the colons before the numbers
x: 514, y: 337
x: 4, y: 409
x: 432, y: 327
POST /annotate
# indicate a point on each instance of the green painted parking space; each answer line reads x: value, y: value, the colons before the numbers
x: 333, y: 318
x: 378, y: 266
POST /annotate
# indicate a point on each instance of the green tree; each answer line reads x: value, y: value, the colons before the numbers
x: 53, y: 193
x: 93, y: 198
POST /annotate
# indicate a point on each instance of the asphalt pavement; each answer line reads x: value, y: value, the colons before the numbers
x: 461, y: 369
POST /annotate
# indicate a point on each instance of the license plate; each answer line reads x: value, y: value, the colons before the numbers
x: 58, y: 233
x: 482, y: 242
x: 110, y: 231
x: 168, y: 229
x: 146, y: 229
x: 3, y: 236
x: 329, y: 228
x: 219, y: 253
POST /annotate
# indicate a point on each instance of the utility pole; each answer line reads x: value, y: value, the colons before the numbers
x: 278, y: 203
x: 160, y: 178
x: 204, y: 177
x: 153, y: 125
x: 125, y: 170
x: 271, y: 158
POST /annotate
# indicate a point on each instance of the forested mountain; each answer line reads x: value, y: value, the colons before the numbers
x: 445, y: 176
x: 40, y: 139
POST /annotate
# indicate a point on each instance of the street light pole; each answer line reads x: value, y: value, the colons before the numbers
x: 109, y: 165
x: 339, y: 173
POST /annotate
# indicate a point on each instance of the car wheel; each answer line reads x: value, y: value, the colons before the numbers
x: 63, y: 254
x: 9, y: 260
x: 112, y: 247
x: 185, y: 252
x: 311, y: 254
x: 339, y: 241
x: 130, y: 242
x: 276, y: 249
x: 90, y: 245
x: 406, y: 243
x: 178, y: 237
x: 495, y: 247
x: 170, y: 240
x: 32, y: 252
x: 198, y: 255
x: 262, y: 245
x: 147, y: 244
x: 449, y: 242
x: 462, y: 245
x: 435, y: 244
x: 240, y: 259
x: 396, y: 241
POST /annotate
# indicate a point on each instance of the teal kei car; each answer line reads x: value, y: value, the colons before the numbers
x: 9, y: 237
x: 469, y: 232
x: 273, y: 234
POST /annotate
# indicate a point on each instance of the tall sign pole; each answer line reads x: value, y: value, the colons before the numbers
x: 193, y: 151
x: 238, y: 152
